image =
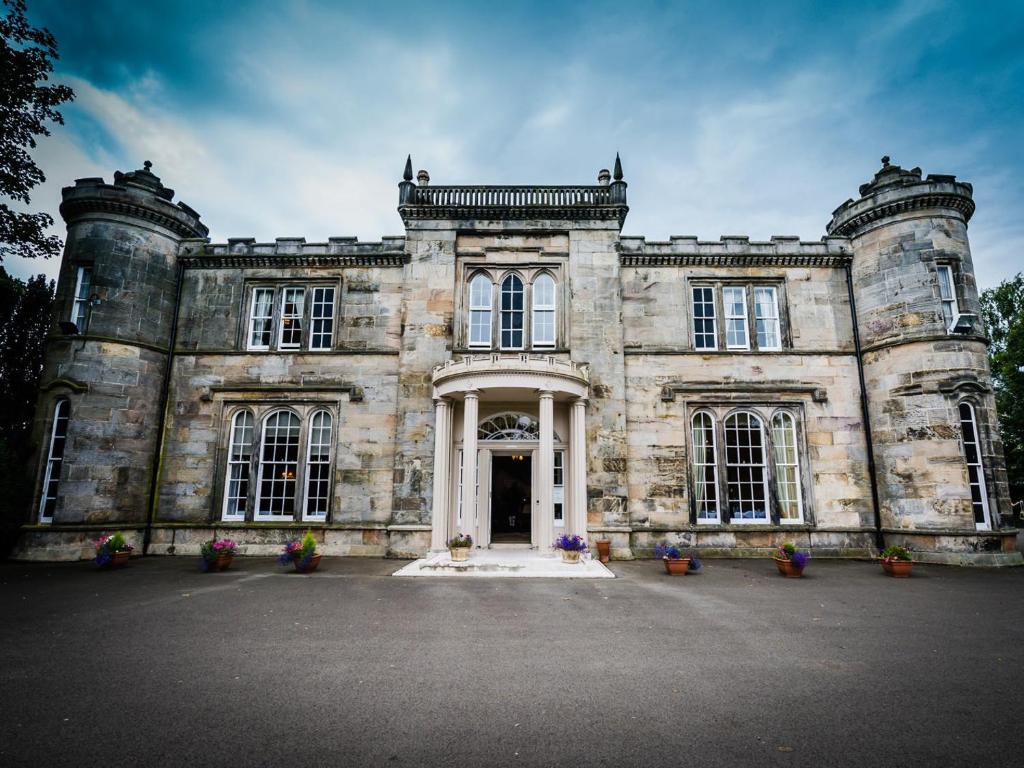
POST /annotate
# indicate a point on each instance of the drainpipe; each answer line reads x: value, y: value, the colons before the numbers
x: 165, y: 388
x: 865, y: 415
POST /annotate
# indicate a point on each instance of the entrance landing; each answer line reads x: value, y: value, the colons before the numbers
x: 521, y: 563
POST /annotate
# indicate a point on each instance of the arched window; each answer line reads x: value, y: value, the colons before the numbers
x: 705, y: 468
x: 54, y: 460
x: 975, y: 469
x: 746, y: 475
x: 480, y: 312
x: 509, y: 426
x: 318, y: 467
x: 279, y: 463
x: 787, y: 468
x: 512, y: 313
x: 544, y: 311
x: 236, y: 493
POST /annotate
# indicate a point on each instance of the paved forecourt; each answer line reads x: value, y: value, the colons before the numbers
x: 159, y: 664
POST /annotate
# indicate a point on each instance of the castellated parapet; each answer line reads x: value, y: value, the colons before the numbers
x: 924, y: 356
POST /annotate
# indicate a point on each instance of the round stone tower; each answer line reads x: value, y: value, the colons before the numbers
x: 106, y: 360
x: 940, y: 471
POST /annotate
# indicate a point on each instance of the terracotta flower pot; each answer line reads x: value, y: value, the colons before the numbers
x: 604, y: 550
x: 572, y: 556
x: 309, y: 567
x: 219, y: 563
x: 117, y: 559
x: 788, y: 568
x: 459, y: 554
x: 898, y: 569
x: 678, y: 567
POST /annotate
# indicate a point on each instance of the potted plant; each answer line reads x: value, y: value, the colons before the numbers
x: 460, y: 546
x: 218, y: 554
x: 604, y: 550
x: 302, y: 554
x: 676, y: 563
x: 790, y: 561
x: 896, y: 561
x: 112, y: 551
x: 572, y: 546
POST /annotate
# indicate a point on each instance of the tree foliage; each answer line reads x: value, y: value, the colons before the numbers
x: 25, y: 313
x: 1003, y: 310
x: 27, y: 105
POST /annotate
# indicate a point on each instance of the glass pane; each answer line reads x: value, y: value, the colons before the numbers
x: 745, y: 470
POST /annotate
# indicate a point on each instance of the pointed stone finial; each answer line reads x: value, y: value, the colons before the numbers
x: 408, y: 169
x: 147, y: 165
x: 617, y: 173
x: 885, y: 161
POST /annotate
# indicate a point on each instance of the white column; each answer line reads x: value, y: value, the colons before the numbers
x: 470, y: 416
x: 545, y: 509
x: 578, y: 468
x: 442, y: 454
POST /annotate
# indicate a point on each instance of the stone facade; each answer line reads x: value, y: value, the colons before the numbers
x: 198, y: 390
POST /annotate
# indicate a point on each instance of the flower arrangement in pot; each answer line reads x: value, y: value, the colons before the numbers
x: 790, y: 561
x: 572, y: 546
x: 896, y: 561
x: 302, y: 554
x: 460, y: 546
x: 676, y: 563
x: 112, y: 551
x: 217, y: 554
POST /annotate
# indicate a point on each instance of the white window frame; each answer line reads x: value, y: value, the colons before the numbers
x: 80, y: 302
x: 786, y: 416
x: 978, y: 466
x: 321, y: 464
x: 734, y: 321
x: 298, y: 316
x: 713, y: 317
x: 229, y: 510
x: 257, y: 513
x: 949, y: 301
x: 558, y: 489
x: 712, y: 510
x: 482, y: 310
x: 458, y: 497
x: 546, y: 309
x: 511, y: 313
x: 321, y: 311
x: 54, y: 464
x: 765, y: 518
x: 253, y: 318
x: 774, y: 320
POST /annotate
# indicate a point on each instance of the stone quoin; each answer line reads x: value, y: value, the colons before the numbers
x: 514, y: 368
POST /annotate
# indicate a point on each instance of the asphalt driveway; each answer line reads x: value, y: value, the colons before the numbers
x: 158, y: 664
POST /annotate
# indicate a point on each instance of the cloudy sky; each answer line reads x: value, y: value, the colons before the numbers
x: 294, y: 117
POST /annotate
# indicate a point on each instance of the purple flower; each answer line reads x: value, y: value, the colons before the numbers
x: 800, y: 559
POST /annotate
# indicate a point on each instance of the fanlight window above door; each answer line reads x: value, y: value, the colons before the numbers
x: 509, y: 426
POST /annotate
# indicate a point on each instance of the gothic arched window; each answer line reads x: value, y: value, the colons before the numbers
x: 236, y: 494
x: 544, y: 311
x: 512, y: 312
x: 54, y: 460
x: 480, y: 312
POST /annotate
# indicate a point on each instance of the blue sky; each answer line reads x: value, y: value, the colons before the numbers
x: 294, y: 118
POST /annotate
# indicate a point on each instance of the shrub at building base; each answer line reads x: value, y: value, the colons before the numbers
x: 790, y: 561
x: 217, y: 554
x: 112, y: 551
x: 896, y: 561
x: 571, y: 547
x: 460, y: 546
x: 302, y: 554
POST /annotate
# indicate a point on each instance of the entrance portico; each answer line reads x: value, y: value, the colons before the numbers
x: 508, y: 405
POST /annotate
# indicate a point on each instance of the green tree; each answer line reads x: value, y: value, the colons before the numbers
x: 1003, y: 310
x: 25, y: 314
x: 26, y: 106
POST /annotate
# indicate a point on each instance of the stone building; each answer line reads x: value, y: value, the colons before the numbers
x: 513, y: 367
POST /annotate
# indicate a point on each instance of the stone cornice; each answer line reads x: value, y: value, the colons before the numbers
x: 735, y: 251
x: 72, y: 209
x: 355, y: 393
x: 246, y: 253
x: 743, y: 389
x: 951, y: 201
